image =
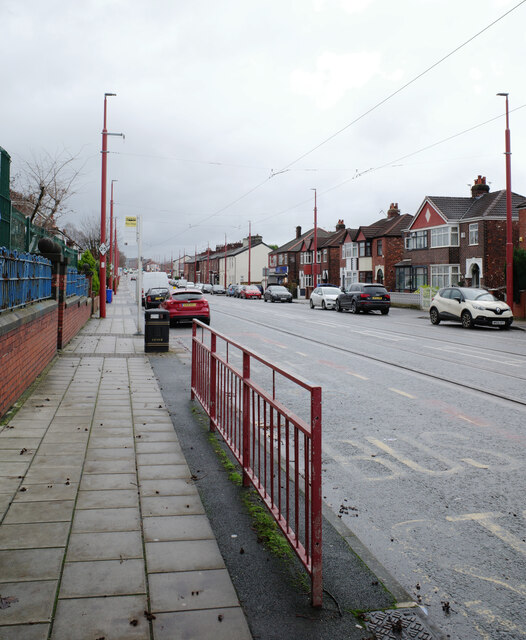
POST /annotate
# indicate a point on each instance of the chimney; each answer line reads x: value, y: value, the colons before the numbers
x: 298, y: 232
x: 479, y: 187
x: 340, y: 226
x: 393, y: 210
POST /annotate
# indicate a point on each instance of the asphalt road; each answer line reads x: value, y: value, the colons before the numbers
x: 423, y: 435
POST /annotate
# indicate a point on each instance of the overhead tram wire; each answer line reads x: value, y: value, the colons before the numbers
x: 363, y: 115
x: 359, y: 174
x: 407, y: 84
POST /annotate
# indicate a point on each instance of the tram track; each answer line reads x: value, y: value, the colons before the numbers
x: 415, y: 370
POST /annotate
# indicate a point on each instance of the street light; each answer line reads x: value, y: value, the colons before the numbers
x: 102, y: 247
x: 314, y: 262
x: 509, y: 230
x: 112, y: 243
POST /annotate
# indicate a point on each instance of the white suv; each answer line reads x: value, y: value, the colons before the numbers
x: 470, y: 307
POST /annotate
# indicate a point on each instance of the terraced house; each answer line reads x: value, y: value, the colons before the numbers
x: 455, y: 240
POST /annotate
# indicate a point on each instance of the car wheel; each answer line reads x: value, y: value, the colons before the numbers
x: 384, y: 311
x: 338, y: 306
x: 272, y: 300
x: 354, y: 308
x: 323, y: 306
x: 467, y: 320
x: 434, y: 316
x: 311, y: 304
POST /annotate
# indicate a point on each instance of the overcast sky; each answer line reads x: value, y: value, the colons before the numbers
x: 224, y: 103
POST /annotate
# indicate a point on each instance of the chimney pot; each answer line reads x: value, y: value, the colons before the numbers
x: 298, y: 231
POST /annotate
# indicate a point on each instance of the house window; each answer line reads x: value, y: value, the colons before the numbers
x: 379, y: 248
x: 366, y: 276
x: 416, y: 240
x: 307, y: 279
x: 364, y: 249
x: 474, y: 233
x: 272, y: 261
x: 444, y: 237
x: 285, y: 258
x: 419, y: 277
x: 445, y: 275
x: 318, y: 257
x: 325, y: 255
x: 302, y: 258
x: 280, y: 258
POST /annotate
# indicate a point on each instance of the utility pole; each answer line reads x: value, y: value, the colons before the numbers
x: 509, y: 228
x: 314, y: 262
x: 225, y: 261
x: 249, y: 249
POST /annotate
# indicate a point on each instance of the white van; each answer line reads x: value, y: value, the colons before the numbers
x: 154, y: 279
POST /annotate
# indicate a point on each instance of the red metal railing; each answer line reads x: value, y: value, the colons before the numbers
x: 279, y: 452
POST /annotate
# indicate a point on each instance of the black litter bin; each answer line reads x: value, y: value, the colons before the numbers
x: 156, y: 330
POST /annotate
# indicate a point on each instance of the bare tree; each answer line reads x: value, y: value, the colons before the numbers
x: 86, y: 234
x: 44, y: 185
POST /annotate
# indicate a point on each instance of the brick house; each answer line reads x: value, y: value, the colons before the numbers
x: 452, y: 240
x: 284, y: 262
x: 370, y: 253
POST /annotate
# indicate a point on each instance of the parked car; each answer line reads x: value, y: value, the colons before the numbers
x: 189, y: 285
x: 231, y: 289
x: 250, y: 291
x: 238, y: 289
x: 185, y: 305
x: 324, y: 297
x: 364, y: 296
x: 207, y: 288
x: 470, y: 307
x: 218, y: 290
x: 154, y: 296
x: 153, y: 279
x: 277, y: 293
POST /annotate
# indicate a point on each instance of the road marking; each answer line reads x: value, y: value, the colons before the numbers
x: 356, y: 375
x: 402, y: 393
x: 485, y: 520
x: 470, y: 354
x: 478, y: 424
x: 474, y: 463
x: 300, y: 353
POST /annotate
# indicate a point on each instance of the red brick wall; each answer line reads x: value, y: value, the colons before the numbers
x: 28, y: 343
x: 76, y: 313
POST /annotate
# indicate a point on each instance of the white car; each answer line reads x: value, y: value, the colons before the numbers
x: 324, y: 297
x: 470, y: 307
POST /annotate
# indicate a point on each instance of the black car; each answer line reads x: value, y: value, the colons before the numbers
x: 363, y: 296
x: 154, y: 296
x: 277, y: 293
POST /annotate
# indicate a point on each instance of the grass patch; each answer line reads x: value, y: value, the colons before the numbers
x: 266, y: 528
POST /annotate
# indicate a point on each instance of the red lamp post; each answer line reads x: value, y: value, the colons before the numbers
x: 116, y: 259
x: 509, y: 229
x: 225, y: 260
x: 208, y: 262
x: 249, y: 249
x: 315, y: 260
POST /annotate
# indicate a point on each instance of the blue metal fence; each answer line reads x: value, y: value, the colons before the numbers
x: 77, y: 283
x: 24, y: 278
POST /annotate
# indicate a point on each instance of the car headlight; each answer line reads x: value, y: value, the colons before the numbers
x: 479, y: 307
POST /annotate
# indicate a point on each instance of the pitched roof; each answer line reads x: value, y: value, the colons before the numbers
x: 387, y: 226
x: 490, y: 205
x: 296, y: 243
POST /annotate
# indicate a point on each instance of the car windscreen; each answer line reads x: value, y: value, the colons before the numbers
x: 187, y: 295
x: 157, y: 292
x: 330, y: 291
x: 278, y: 290
x: 478, y: 294
x: 252, y: 287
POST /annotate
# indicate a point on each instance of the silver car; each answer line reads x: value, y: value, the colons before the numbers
x: 324, y: 297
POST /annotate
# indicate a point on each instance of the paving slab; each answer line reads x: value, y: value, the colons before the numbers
x: 112, y: 545
x: 110, y: 466
x: 163, y: 471
x: 96, y: 520
x: 165, y: 528
x: 171, y: 505
x: 20, y: 565
x: 187, y: 590
x: 109, y: 481
x: 103, y: 578
x: 34, y: 536
x: 43, y: 492
x: 219, y: 624
x: 170, y: 487
x: 25, y: 632
x: 52, y: 511
x: 183, y: 555
x: 111, y: 618
x: 28, y: 601
x: 106, y: 499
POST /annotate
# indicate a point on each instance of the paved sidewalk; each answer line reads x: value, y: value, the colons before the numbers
x: 102, y: 531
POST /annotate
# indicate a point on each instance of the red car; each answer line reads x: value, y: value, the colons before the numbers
x: 250, y: 291
x: 185, y: 305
